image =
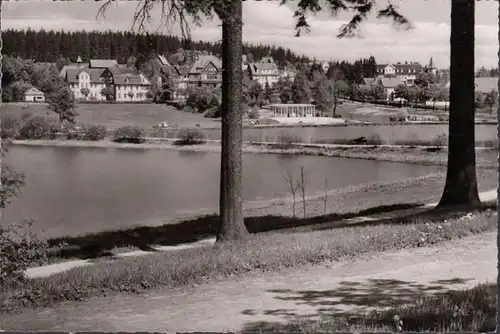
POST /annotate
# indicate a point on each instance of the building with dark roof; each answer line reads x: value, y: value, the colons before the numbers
x: 407, y: 72
x: 264, y: 72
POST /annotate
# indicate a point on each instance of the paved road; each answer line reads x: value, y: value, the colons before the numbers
x: 375, y: 280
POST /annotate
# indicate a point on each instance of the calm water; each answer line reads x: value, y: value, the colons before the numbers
x: 389, y: 134
x: 81, y: 190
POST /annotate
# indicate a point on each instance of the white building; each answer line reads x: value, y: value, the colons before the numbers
x: 34, y: 95
x: 264, y: 71
x: 86, y: 83
x: 407, y: 72
x: 127, y: 85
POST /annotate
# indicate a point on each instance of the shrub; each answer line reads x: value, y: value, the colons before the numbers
x: 190, y: 136
x: 38, y: 127
x: 441, y: 140
x: 213, y: 112
x: 286, y: 141
x: 19, y: 250
x: 129, y: 134
x: 11, y: 126
x: 254, y: 113
x: 70, y: 131
x: 95, y: 132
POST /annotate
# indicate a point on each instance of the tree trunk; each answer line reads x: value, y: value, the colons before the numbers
x: 461, y: 183
x: 232, y: 226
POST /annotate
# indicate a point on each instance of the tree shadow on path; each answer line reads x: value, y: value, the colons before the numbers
x: 347, y: 303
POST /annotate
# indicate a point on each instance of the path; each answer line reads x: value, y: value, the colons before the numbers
x: 372, y: 280
x: 48, y: 270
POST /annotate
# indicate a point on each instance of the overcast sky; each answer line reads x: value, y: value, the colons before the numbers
x: 267, y: 22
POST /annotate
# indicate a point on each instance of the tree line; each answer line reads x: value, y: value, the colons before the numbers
x: 52, y: 46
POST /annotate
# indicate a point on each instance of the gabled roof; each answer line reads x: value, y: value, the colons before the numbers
x: 391, y: 82
x: 486, y: 84
x: 202, y: 62
x: 267, y: 59
x: 405, y: 68
x: 74, y: 66
x: 122, y: 70
x: 102, y: 63
x: 402, y: 68
x: 163, y: 60
x: 95, y: 75
x: 131, y: 79
x: 257, y: 67
x: 33, y: 91
x: 369, y: 81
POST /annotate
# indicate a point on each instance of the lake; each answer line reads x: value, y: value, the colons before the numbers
x: 389, y: 134
x: 80, y: 190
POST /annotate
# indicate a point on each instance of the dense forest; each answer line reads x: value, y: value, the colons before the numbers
x: 50, y: 46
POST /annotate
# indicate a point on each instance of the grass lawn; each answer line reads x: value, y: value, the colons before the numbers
x: 472, y: 310
x: 260, y: 252
x: 115, y: 115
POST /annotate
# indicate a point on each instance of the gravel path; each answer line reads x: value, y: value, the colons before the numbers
x: 374, y: 280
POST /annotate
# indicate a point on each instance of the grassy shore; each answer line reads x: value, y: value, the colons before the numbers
x: 473, y: 310
x: 260, y: 252
x: 341, y: 204
x: 486, y: 158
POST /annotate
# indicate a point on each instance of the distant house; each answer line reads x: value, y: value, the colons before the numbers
x: 34, y: 95
x: 325, y: 66
x: 369, y: 81
x: 264, y: 71
x: 390, y: 84
x: 288, y: 73
x: 203, y: 70
x: 407, y: 72
x: 86, y: 80
x: 128, y: 85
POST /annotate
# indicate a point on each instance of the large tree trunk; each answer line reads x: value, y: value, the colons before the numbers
x: 461, y: 183
x: 232, y: 226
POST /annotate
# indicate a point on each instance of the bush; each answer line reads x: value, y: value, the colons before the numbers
x: 254, y: 113
x: 441, y: 140
x: 19, y: 250
x: 38, y: 127
x: 70, y: 131
x: 129, y: 134
x: 95, y: 132
x: 190, y: 136
x: 11, y: 126
x: 213, y: 112
x: 286, y: 141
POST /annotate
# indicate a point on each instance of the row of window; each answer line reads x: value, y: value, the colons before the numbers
x: 87, y: 85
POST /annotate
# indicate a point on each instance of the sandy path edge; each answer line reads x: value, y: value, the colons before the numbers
x: 371, y: 280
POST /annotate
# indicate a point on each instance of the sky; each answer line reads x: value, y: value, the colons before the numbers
x: 267, y: 22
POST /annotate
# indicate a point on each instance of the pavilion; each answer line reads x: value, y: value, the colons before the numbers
x: 291, y: 110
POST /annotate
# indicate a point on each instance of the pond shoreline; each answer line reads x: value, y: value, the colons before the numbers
x: 348, y: 123
x: 423, y: 155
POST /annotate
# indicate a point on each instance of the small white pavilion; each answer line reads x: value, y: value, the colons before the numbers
x: 292, y: 110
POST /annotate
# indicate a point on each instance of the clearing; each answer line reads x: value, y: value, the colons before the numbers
x: 252, y: 302
x: 115, y: 115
